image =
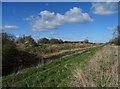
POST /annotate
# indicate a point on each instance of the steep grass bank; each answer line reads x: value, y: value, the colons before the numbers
x: 52, y: 74
x: 101, y: 71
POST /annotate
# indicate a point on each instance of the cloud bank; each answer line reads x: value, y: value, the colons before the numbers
x: 50, y: 20
x: 103, y: 8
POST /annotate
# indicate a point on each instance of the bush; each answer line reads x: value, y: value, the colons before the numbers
x: 86, y: 40
x: 12, y: 58
x: 9, y: 53
x: 56, y: 41
x: 27, y: 40
x: 116, y: 39
x: 43, y: 41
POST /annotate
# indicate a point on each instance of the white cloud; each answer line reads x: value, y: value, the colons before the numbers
x: 50, y: 20
x: 8, y: 27
x: 105, y: 8
x: 111, y: 28
x: 76, y: 15
x: 107, y: 0
x: 53, y: 33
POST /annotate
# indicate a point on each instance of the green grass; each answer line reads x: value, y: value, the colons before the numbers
x: 57, y: 73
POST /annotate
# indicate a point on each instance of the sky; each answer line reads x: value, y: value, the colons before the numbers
x: 72, y: 21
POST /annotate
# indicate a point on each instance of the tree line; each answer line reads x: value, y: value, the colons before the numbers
x: 29, y: 40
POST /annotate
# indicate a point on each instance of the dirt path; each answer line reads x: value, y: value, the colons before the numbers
x: 101, y: 71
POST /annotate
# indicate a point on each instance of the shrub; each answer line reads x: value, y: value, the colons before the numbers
x: 43, y: 41
x: 27, y: 40
x: 56, y: 41
x: 12, y: 58
x: 116, y: 38
x: 9, y: 53
x: 86, y: 41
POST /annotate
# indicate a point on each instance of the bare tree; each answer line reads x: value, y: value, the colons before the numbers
x: 116, y: 36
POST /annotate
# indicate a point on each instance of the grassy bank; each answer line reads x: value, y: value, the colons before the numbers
x: 49, y: 50
x: 52, y: 74
x: 101, y: 70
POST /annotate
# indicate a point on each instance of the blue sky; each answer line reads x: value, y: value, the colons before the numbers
x: 68, y: 21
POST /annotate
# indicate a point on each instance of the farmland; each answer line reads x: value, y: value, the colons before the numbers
x: 51, y: 74
x: 71, y: 64
x: 18, y: 54
x: 59, y: 45
x: 76, y: 70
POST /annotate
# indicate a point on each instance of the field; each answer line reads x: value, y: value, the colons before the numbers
x: 96, y: 67
x: 56, y: 73
x: 60, y: 44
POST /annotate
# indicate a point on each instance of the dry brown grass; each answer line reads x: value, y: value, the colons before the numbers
x: 62, y: 52
x: 101, y: 71
x: 53, y: 49
x: 73, y: 47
